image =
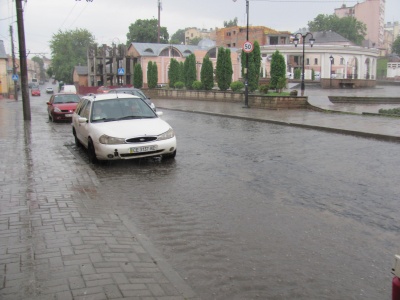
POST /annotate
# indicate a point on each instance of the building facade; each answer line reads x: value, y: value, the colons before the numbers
x: 372, y: 14
x: 236, y: 36
x: 193, y: 33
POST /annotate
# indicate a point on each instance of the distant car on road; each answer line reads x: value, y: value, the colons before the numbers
x: 35, y: 91
x: 61, y: 106
x: 121, y: 126
x: 135, y: 92
x: 49, y: 90
x: 103, y: 90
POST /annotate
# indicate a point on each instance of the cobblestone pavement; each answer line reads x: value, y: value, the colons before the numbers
x: 59, y: 238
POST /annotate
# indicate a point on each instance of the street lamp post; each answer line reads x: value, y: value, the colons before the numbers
x: 330, y: 75
x: 296, y: 41
x: 246, y: 82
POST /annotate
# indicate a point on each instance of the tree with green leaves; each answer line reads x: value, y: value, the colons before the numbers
x: 190, y: 71
x: 207, y: 73
x: 231, y: 23
x: 396, y: 46
x: 278, y: 70
x: 224, y: 69
x: 69, y: 49
x: 173, y: 72
x: 254, y: 66
x: 348, y: 27
x: 178, y: 37
x: 152, y: 75
x: 194, y: 41
x: 146, y: 31
x: 138, y: 76
x: 181, y: 72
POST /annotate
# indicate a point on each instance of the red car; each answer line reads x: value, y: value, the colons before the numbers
x: 35, y: 91
x: 61, y: 106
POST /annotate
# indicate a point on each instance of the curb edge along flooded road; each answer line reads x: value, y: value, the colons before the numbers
x: 251, y: 210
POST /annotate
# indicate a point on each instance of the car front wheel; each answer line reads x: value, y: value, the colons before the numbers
x: 170, y: 156
x: 92, y: 153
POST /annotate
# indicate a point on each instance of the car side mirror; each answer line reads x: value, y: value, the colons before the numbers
x: 82, y: 120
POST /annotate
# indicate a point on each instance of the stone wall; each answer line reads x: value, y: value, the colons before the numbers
x: 256, y: 101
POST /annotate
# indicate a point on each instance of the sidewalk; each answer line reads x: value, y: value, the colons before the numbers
x: 60, y: 239
x: 378, y: 127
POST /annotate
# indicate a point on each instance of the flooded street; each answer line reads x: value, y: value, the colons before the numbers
x: 259, y: 211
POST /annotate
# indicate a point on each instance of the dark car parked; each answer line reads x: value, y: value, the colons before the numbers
x: 135, y: 92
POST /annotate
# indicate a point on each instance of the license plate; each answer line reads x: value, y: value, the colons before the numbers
x: 143, y: 149
x: 68, y: 115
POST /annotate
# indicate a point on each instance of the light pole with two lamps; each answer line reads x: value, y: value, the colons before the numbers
x: 296, y: 41
x: 246, y: 83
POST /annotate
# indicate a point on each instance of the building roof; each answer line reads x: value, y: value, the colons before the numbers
x: 154, y: 49
x: 81, y: 70
x: 3, y: 53
x: 329, y: 37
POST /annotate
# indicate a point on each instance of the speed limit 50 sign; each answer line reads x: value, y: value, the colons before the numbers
x: 247, y: 47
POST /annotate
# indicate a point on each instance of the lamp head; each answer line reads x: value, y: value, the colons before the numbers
x: 312, y: 40
x: 296, y: 41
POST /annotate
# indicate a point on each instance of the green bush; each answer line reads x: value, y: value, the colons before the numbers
x: 197, y: 85
x: 237, y: 86
x: 297, y: 73
x: 179, y: 85
x: 392, y: 111
x: 263, y: 88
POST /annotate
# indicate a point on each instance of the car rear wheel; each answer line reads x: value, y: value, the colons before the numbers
x: 92, y: 153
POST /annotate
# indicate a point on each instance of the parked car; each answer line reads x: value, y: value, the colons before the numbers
x: 121, y: 126
x: 61, y: 106
x: 103, y: 90
x: 35, y: 91
x: 68, y: 89
x: 135, y: 92
x: 49, y: 90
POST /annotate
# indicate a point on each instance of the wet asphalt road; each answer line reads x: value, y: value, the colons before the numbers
x: 251, y: 210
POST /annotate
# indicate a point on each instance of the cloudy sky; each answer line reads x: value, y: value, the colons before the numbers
x: 109, y: 20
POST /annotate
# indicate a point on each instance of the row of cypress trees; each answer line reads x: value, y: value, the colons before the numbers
x: 184, y: 73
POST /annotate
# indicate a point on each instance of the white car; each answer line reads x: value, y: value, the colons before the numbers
x: 121, y: 126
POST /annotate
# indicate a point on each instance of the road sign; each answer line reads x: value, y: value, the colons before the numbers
x: 121, y: 71
x: 247, y: 47
x: 15, y: 77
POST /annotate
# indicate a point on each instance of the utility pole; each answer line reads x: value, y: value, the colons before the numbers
x: 159, y: 9
x: 14, y: 67
x: 22, y: 57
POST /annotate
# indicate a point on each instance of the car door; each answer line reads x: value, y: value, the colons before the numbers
x: 82, y: 129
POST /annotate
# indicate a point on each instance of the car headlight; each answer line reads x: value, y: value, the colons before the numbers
x: 109, y: 140
x: 57, y: 110
x: 166, y: 135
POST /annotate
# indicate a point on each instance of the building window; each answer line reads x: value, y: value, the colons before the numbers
x: 234, y: 44
x: 273, y: 40
x: 228, y: 45
x: 315, y: 61
x: 342, y: 61
x: 307, y: 61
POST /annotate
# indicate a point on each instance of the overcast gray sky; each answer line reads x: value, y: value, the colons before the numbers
x: 109, y: 20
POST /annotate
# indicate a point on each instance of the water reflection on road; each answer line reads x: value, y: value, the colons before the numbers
x: 258, y: 211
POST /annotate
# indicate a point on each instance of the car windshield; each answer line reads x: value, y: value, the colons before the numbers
x: 121, y: 109
x: 66, y: 98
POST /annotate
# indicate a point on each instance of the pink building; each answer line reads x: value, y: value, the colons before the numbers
x: 372, y: 14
